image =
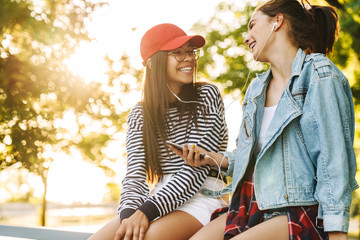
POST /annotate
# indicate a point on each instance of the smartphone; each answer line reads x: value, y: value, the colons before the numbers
x: 202, y: 155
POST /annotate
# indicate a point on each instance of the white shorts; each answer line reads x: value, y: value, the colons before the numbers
x: 199, y: 206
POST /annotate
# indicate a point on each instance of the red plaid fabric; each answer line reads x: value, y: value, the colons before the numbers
x: 302, y: 224
x: 243, y: 213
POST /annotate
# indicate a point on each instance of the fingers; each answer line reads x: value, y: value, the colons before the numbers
x: 119, y: 233
x: 142, y: 234
x: 135, y: 234
x: 131, y: 234
x: 185, y: 153
x: 191, y: 155
x: 197, y: 162
x: 127, y: 236
x: 176, y: 151
x: 133, y: 228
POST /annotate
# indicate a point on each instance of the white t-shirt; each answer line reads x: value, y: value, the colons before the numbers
x: 265, y: 123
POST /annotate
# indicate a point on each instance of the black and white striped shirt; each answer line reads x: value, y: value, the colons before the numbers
x: 211, y: 134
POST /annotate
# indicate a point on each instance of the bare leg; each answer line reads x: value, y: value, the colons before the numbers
x: 273, y: 229
x: 107, y: 232
x: 213, y: 230
x: 177, y: 225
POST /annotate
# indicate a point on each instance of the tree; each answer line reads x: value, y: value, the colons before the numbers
x: 37, y: 90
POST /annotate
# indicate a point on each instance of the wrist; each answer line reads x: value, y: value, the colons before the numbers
x: 224, y: 162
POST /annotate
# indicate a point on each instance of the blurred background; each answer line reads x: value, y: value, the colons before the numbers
x: 71, y: 70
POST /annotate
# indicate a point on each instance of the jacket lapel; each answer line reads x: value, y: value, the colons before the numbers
x: 287, y: 109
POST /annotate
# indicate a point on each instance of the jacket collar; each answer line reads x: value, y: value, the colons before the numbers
x: 297, y: 63
x: 265, y: 77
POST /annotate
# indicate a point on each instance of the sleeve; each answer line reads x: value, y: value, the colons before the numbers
x: 329, y: 110
x: 231, y: 161
x: 211, y: 122
x: 211, y: 135
x: 134, y: 186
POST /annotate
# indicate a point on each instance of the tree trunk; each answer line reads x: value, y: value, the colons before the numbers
x: 44, y: 203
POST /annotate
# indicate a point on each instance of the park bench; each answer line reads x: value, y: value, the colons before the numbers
x: 41, y: 233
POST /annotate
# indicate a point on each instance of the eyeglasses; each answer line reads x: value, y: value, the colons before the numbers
x: 180, y: 54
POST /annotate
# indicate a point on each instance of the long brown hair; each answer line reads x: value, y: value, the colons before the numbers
x: 155, y: 111
x: 312, y: 29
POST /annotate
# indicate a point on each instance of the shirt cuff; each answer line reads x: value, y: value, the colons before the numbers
x: 126, y: 213
x: 150, y: 210
x: 334, y: 223
x: 231, y: 161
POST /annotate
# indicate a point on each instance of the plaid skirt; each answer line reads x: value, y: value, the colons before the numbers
x: 243, y: 213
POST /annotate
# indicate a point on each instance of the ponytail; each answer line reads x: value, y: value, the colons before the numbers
x: 327, y: 28
x: 312, y: 28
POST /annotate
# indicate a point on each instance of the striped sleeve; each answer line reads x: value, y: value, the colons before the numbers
x: 134, y: 186
x: 212, y: 135
x: 212, y: 123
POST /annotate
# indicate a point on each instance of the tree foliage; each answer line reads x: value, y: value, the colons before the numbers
x: 37, y: 91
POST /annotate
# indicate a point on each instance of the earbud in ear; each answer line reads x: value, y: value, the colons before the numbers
x: 275, y: 24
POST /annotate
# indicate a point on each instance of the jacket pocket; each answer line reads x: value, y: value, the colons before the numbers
x: 246, y: 128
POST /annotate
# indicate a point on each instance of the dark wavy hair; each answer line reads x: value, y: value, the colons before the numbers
x: 312, y: 29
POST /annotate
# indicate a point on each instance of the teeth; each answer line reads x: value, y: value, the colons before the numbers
x: 185, y: 69
x: 252, y: 45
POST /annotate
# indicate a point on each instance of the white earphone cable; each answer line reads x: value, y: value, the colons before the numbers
x: 247, y: 78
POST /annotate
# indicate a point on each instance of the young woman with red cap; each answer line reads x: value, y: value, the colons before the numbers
x: 174, y: 108
x: 294, y: 168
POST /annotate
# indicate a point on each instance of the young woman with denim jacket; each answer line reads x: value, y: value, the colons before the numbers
x: 294, y: 167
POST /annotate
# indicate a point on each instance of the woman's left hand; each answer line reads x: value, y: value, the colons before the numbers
x: 133, y: 228
x: 338, y: 236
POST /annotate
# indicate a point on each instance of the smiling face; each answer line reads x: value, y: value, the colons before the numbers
x: 259, y: 29
x: 180, y: 73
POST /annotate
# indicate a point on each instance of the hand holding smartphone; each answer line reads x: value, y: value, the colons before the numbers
x: 202, y: 155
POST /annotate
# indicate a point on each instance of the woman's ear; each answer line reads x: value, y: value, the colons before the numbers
x: 278, y: 21
x: 148, y: 63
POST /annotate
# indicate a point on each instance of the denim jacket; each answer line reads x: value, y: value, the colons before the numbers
x: 307, y: 155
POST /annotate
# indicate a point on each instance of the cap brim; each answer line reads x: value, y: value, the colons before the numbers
x: 195, y: 40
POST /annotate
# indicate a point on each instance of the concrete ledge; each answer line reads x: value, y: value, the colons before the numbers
x: 40, y: 233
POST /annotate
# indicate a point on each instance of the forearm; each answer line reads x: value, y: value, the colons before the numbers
x: 337, y: 236
x: 218, y: 159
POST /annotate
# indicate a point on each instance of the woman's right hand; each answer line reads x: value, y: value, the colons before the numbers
x: 191, y: 156
x: 133, y: 228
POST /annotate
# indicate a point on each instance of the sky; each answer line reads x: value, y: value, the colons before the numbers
x: 118, y: 27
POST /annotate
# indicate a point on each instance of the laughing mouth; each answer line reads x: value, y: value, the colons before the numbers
x: 252, y: 45
x: 185, y: 69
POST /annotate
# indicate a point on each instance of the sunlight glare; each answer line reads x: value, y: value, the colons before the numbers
x: 73, y: 180
x: 88, y: 62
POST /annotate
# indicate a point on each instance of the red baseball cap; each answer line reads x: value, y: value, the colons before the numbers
x: 164, y: 37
